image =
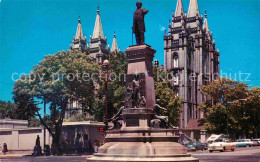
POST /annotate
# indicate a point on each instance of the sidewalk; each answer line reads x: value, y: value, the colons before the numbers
x: 12, y: 155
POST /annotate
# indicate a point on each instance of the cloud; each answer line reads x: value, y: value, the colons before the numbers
x: 162, y: 28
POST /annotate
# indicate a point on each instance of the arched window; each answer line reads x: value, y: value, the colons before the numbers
x: 175, y: 79
x: 175, y: 61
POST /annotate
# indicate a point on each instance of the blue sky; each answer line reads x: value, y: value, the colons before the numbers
x: 30, y: 29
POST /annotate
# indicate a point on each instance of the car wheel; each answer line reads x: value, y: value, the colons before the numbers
x: 210, y: 151
x: 232, y: 149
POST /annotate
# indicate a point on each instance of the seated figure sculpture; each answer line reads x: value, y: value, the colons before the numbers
x: 116, y: 119
x: 160, y: 121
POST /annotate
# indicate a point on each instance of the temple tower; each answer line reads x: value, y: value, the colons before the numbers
x: 189, y: 53
x: 79, y: 41
x: 98, y: 43
x: 114, y: 44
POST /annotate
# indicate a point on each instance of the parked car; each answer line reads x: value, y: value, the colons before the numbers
x: 221, y: 145
x: 199, y: 146
x: 195, y: 145
x: 244, y: 143
x: 256, y: 142
x: 190, y: 147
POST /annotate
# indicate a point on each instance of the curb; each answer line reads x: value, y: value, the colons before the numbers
x: 12, y: 155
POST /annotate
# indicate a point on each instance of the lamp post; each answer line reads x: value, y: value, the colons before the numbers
x: 106, y: 73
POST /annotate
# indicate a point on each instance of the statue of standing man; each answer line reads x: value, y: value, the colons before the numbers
x: 138, y: 26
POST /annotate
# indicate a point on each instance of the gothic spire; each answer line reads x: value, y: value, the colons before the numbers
x: 205, y: 24
x: 193, y: 8
x: 179, y: 8
x: 98, y: 30
x: 79, y: 32
x: 114, y: 44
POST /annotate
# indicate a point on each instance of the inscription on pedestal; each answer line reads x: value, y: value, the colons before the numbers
x: 132, y: 122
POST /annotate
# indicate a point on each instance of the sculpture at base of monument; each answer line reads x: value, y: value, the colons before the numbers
x: 137, y: 99
x: 37, y: 151
x: 116, y: 119
x: 160, y: 121
x: 139, y: 25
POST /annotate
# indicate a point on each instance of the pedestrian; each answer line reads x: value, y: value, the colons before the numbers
x: 5, y: 150
x: 96, y: 145
x: 0, y: 148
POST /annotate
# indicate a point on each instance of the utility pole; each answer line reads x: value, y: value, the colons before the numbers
x: 44, y: 129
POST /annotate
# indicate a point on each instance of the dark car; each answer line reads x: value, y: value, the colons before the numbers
x: 195, y: 145
x: 200, y: 146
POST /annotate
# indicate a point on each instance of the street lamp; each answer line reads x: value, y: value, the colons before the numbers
x: 106, y: 73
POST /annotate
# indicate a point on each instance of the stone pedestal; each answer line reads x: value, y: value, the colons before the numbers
x: 140, y: 62
x: 136, y: 140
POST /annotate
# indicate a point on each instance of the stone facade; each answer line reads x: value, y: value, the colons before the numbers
x: 21, y: 139
x: 191, y: 56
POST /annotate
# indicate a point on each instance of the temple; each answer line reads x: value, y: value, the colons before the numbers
x: 191, y: 56
x: 97, y: 48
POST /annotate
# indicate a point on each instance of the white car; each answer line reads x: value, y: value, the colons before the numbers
x: 221, y: 145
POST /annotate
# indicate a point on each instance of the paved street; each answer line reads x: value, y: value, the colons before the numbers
x: 251, y: 154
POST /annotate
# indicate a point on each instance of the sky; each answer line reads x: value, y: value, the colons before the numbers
x: 31, y: 29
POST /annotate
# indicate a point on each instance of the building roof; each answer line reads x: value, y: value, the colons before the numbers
x: 193, y: 8
x: 114, y: 44
x: 98, y: 30
x: 194, y: 124
x: 79, y: 32
x: 179, y: 8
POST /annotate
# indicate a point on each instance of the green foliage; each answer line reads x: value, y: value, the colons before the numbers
x: 34, y: 122
x: 231, y: 106
x: 7, y: 110
x: 76, y: 118
x: 98, y: 109
x: 116, y: 87
x: 56, y: 79
x: 168, y: 99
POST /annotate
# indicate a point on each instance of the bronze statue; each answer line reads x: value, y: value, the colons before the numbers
x: 138, y: 25
x: 136, y: 96
x: 116, y: 119
x: 160, y: 121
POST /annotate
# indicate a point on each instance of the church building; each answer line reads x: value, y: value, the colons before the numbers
x: 191, y: 56
x: 97, y: 48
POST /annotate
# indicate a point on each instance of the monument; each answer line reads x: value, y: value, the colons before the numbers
x: 138, y: 133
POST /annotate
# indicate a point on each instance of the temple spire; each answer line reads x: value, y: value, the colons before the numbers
x: 114, y: 44
x: 98, y: 30
x: 179, y: 8
x: 193, y: 8
x: 205, y: 24
x: 79, y: 32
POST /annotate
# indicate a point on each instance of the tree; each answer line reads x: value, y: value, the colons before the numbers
x: 230, y: 107
x: 58, y: 78
x: 168, y: 99
x: 116, y: 87
x: 77, y: 117
x: 7, y: 109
